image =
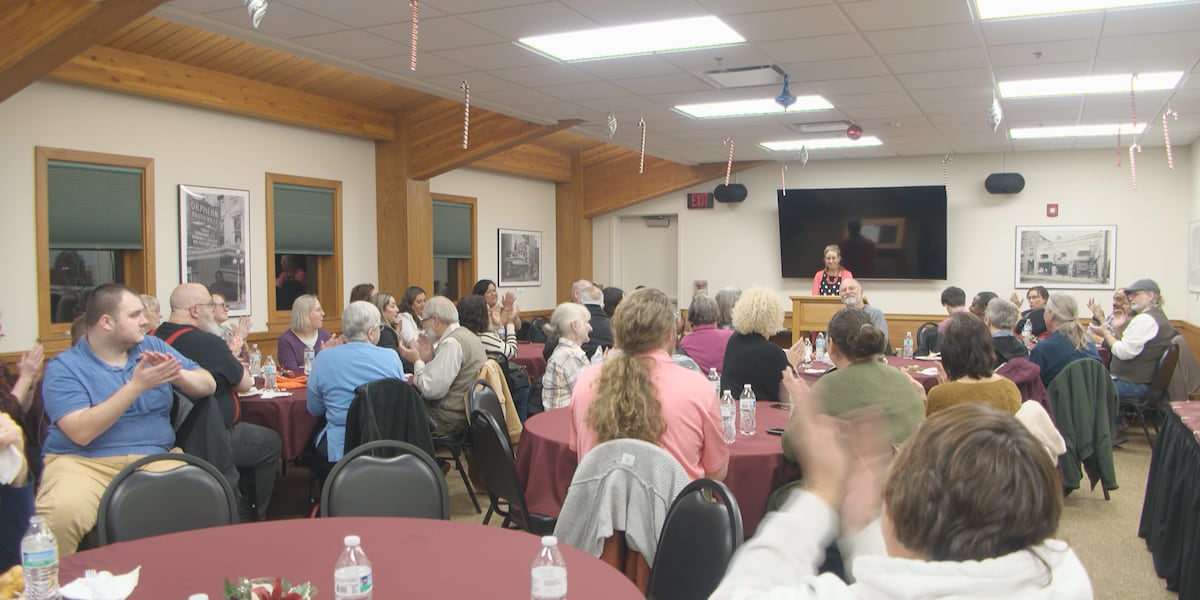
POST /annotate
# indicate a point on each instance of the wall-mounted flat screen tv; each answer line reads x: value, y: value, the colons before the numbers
x: 883, y: 232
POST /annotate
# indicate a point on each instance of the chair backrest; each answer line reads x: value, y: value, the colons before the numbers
x: 1164, y: 372
x: 386, y: 478
x: 483, y: 397
x: 387, y: 409
x: 703, y: 528
x: 140, y: 503
x: 495, y: 459
x: 928, y: 339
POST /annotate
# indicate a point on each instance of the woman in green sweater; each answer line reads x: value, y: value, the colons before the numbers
x: 967, y: 357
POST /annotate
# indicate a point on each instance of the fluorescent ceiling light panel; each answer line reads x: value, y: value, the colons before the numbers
x: 1041, y: 133
x: 822, y: 143
x: 757, y: 106
x: 1091, y: 84
x: 1004, y: 9
x: 629, y: 40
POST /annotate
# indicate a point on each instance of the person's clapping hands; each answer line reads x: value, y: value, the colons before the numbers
x: 334, y: 341
x: 10, y: 432
x: 155, y: 369
x: 242, y: 327
x: 31, y: 363
x: 424, y: 348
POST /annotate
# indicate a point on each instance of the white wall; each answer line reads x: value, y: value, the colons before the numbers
x: 738, y: 244
x: 658, y: 269
x: 1193, y: 299
x: 188, y: 145
x: 509, y: 202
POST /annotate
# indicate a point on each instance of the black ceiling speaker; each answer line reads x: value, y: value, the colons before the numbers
x: 1004, y: 183
x: 733, y: 192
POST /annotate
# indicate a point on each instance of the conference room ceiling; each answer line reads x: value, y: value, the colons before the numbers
x: 918, y: 74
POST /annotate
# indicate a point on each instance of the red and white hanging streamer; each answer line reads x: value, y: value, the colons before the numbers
x: 1133, y: 163
x: 466, y: 88
x: 412, y: 59
x: 783, y: 178
x: 729, y: 164
x: 1135, y: 147
x: 1167, y: 136
x: 642, y: 156
x: 1119, y: 146
x: 946, y: 160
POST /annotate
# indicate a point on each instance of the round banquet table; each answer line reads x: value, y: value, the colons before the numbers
x: 908, y: 365
x: 410, y: 558
x: 529, y: 355
x: 546, y: 463
x: 286, y: 415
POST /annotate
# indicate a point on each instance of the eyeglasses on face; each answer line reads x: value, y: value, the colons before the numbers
x: 220, y: 305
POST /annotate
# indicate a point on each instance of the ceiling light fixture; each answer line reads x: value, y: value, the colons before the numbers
x: 756, y: 106
x: 1090, y: 84
x: 821, y: 143
x: 630, y: 40
x: 1072, y: 131
x: 1006, y: 9
x: 257, y: 9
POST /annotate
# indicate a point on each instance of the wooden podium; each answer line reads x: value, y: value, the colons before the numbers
x: 812, y: 313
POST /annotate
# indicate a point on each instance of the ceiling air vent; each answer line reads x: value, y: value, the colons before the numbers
x: 738, y: 77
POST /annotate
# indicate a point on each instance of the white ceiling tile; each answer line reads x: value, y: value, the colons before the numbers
x: 585, y: 91
x: 1032, y: 111
x: 893, y: 112
x: 480, y: 82
x: 850, y: 102
x: 531, y: 19
x: 1043, y: 145
x: 205, y: 6
x: 1043, y: 71
x: 563, y: 110
x: 946, y: 79
x: 836, y: 69
x: 1161, y: 52
x: 830, y: 47
x: 1044, y: 29
x: 441, y: 33
x: 622, y: 103
x: 980, y: 94
x: 1070, y: 51
x: 495, y: 56
x: 622, y: 12
x: 454, y: 7
x: 626, y: 67
x: 357, y: 13
x: 941, y: 60
x: 354, y: 45
x: 665, y: 84
x: 733, y: 7
x: 861, y: 85
x: 793, y: 23
x: 875, y: 15
x: 955, y: 110
x: 544, y: 75
x: 1155, y: 19
x: 923, y: 39
x: 727, y: 57
x: 281, y: 21
x: 428, y: 65
x: 519, y: 98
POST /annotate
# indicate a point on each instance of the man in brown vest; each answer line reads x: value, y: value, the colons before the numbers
x: 446, y: 360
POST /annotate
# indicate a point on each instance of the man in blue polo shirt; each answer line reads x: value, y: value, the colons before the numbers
x: 109, y: 403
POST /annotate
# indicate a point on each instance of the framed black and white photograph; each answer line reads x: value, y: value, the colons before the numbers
x: 520, y: 254
x: 214, y: 245
x: 1081, y: 257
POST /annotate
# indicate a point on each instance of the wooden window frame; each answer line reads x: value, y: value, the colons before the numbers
x: 467, y: 272
x: 138, y: 265
x: 329, y: 268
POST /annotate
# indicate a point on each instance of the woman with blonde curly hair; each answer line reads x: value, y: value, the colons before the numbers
x: 639, y: 393
x: 750, y: 357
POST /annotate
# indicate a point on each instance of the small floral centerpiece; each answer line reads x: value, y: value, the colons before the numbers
x: 265, y: 588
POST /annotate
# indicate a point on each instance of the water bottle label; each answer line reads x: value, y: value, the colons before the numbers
x: 727, y: 411
x: 36, y: 559
x: 549, y: 582
x: 349, y: 583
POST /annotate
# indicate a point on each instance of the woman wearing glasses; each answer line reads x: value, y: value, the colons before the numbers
x: 1035, y: 316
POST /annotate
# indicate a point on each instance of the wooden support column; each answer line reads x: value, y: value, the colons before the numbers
x: 573, y: 231
x: 404, y: 217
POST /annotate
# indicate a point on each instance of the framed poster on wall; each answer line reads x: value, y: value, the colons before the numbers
x: 520, y: 254
x: 1080, y: 257
x: 214, y: 244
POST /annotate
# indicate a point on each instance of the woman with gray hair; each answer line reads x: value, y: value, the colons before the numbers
x: 706, y: 343
x: 1000, y: 316
x: 306, y: 332
x: 726, y: 299
x: 1067, y: 342
x: 750, y: 357
x: 339, y: 370
x: 152, y: 311
x: 570, y: 324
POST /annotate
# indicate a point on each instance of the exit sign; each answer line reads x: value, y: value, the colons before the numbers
x: 700, y: 200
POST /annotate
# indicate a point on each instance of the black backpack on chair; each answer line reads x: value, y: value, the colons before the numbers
x: 929, y: 340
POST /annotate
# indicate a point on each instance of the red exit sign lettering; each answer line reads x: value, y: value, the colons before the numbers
x: 700, y: 200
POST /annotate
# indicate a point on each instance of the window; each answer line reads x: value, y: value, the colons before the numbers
x: 304, y: 238
x: 95, y: 225
x: 453, y: 245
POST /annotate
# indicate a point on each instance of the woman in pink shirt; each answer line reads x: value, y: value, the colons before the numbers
x: 639, y: 393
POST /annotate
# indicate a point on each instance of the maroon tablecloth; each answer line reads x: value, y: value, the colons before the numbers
x: 530, y: 356
x: 814, y: 372
x: 411, y: 558
x: 546, y: 464
x: 288, y: 416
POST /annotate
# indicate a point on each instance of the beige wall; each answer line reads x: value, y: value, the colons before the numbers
x: 738, y: 244
x: 1193, y: 298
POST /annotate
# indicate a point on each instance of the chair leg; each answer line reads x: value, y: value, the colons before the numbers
x: 456, y: 453
x: 1142, y: 418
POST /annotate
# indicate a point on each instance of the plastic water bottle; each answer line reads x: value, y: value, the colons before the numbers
x: 352, y: 572
x: 728, y: 417
x: 908, y: 345
x: 715, y: 381
x: 270, y: 373
x: 748, y: 406
x: 39, y: 560
x: 309, y: 355
x: 255, y: 361
x: 821, y: 346
x: 548, y: 577
x: 807, y: 359
x: 1027, y: 334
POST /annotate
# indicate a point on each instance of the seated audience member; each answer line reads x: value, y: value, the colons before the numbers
x: 1037, y: 296
x: 612, y: 297
x: 1067, y: 341
x: 15, y: 494
x: 153, y: 312
x: 412, y: 308
x: 969, y: 506
x: 569, y: 325
x: 853, y: 296
x: 234, y: 333
x: 362, y: 291
x: 967, y: 358
x: 306, y: 332
x: 99, y: 423
x: 638, y: 393
x: 979, y: 303
x: 446, y: 360
x: 338, y: 371
x: 390, y: 321
x: 601, y: 337
x: 473, y: 315
x: 750, y: 357
x: 726, y: 299
x: 862, y: 380
x: 1115, y: 322
x: 705, y: 344
x: 954, y: 300
x: 1146, y: 337
x: 17, y: 430
x: 999, y: 318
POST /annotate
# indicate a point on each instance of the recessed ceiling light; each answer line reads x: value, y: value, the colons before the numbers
x: 1004, y: 9
x: 822, y: 143
x: 629, y: 40
x: 1038, y: 133
x: 1091, y: 84
x: 757, y: 106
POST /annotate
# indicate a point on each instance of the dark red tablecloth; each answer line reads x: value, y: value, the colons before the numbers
x: 1170, y: 520
x: 530, y: 356
x: 410, y: 558
x: 288, y: 416
x: 814, y: 372
x: 546, y: 464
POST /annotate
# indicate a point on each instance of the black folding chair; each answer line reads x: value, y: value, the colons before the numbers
x: 386, y: 478
x: 1156, y: 397
x: 495, y: 459
x: 701, y: 532
x: 140, y: 503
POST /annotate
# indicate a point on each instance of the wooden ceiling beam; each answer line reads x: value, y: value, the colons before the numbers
x: 437, y: 129
x: 141, y: 75
x: 614, y: 183
x: 530, y: 160
x: 38, y: 36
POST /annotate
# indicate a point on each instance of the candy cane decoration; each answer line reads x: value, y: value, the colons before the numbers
x: 1118, y: 146
x: 783, y: 178
x: 466, y: 88
x: 1167, y: 137
x: 1135, y: 146
x: 642, y: 157
x: 946, y: 169
x: 729, y: 165
x: 1133, y: 163
x: 412, y: 59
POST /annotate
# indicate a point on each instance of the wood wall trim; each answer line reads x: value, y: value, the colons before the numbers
x: 141, y: 75
x: 573, y: 231
x: 329, y: 268
x: 467, y: 274
x: 613, y: 182
x: 38, y: 36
